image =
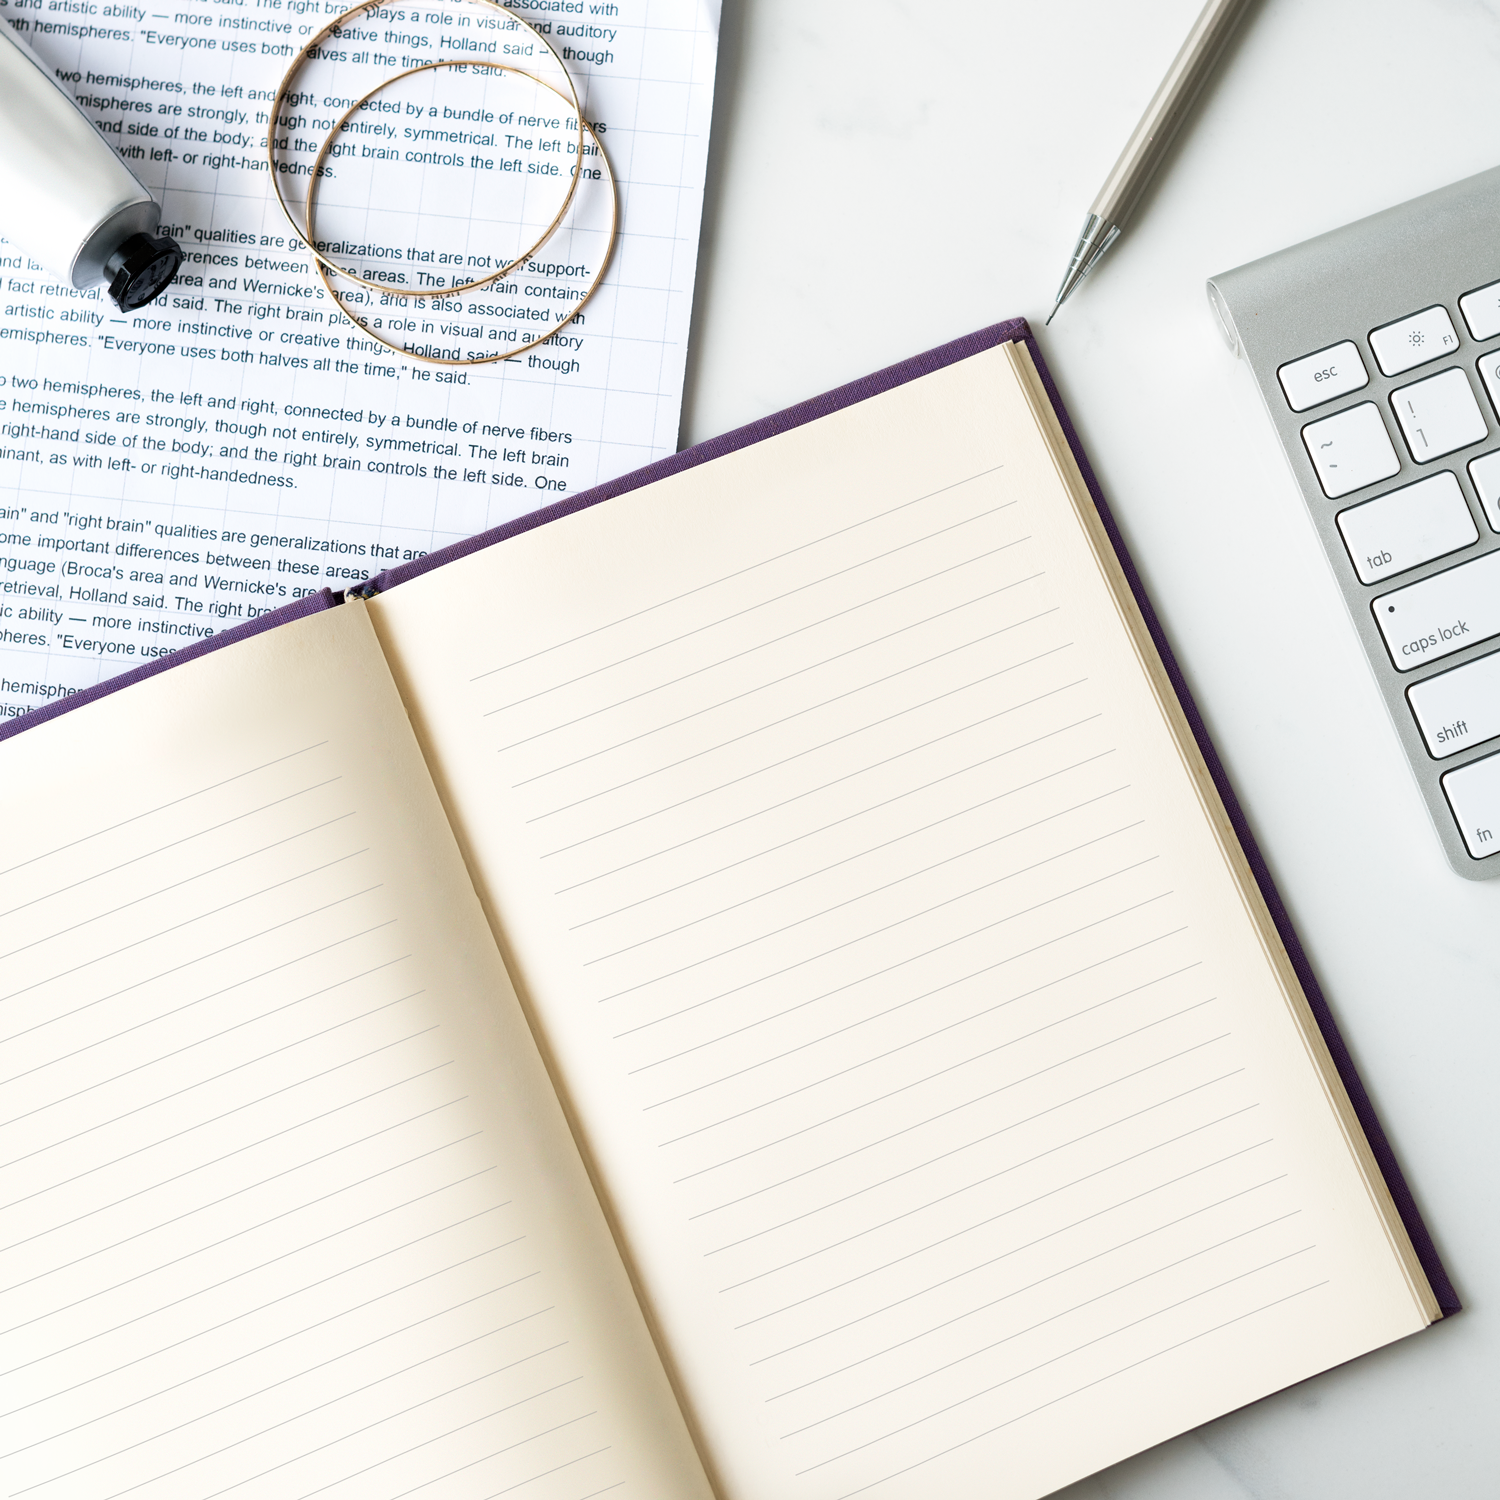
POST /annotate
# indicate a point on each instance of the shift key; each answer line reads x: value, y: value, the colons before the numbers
x: 1441, y: 614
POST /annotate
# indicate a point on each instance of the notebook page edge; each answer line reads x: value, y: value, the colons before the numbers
x: 1384, y: 1153
x: 1204, y: 783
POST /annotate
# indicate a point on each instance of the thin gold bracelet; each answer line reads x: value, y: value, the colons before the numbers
x: 325, y: 269
x: 369, y: 7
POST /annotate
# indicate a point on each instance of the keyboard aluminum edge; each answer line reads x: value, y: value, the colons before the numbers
x: 1342, y: 285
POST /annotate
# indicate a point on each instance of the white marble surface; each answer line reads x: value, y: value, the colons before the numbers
x: 887, y: 175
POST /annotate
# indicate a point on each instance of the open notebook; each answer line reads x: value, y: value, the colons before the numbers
x: 748, y: 988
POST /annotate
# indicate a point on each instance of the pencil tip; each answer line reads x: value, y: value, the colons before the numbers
x: 1097, y: 237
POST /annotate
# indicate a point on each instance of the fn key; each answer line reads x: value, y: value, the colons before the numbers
x: 1474, y: 795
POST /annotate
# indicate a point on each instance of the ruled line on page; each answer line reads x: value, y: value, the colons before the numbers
x: 213, y: 1203
x: 162, y: 807
x: 213, y: 1119
x: 1078, y: 1349
x: 102, y: 1374
x: 171, y: 844
x: 963, y: 895
x: 968, y: 1145
x: 54, y: 1184
x: 776, y: 640
x: 306, y: 1411
x: 250, y: 1270
x: 927, y: 911
x: 358, y: 1432
x: 1021, y: 1332
x: 787, y: 677
x: 175, y: 885
x: 738, y: 573
x: 510, y: 1448
x: 243, y: 1218
x: 738, y: 614
x: 296, y: 1375
x: 204, y: 1082
x: 875, y: 1312
x: 847, y: 859
x: 532, y: 1479
x: 902, y: 963
x: 788, y: 718
x: 984, y: 1223
x: 968, y: 1060
x: 867, y: 1019
x: 879, y: 1141
x: 812, y: 791
x: 739, y: 697
x: 986, y: 1181
x: 912, y: 874
x: 200, y: 917
x: 837, y: 822
x: 806, y: 1088
x: 296, y: 1333
x: 593, y: 1493
x: 201, y: 999
x: 1113, y: 1374
x: 766, y: 727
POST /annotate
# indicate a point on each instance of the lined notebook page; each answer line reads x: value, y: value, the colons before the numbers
x: 287, y: 1207
x: 955, y: 1119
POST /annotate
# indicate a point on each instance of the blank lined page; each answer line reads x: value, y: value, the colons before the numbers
x: 957, y: 1120
x: 286, y: 1205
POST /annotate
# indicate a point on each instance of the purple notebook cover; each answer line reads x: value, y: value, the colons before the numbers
x: 1016, y: 330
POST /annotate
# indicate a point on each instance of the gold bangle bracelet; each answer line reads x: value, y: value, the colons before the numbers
x: 369, y: 7
x: 325, y: 270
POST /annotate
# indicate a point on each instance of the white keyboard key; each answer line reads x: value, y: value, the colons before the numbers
x: 1485, y: 474
x: 1407, y: 527
x: 1481, y: 311
x: 1489, y: 372
x: 1350, y: 450
x: 1441, y: 614
x: 1323, y: 376
x: 1409, y: 342
x: 1438, y: 415
x: 1459, y: 708
x: 1474, y: 795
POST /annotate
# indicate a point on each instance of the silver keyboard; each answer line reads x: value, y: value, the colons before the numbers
x: 1377, y: 351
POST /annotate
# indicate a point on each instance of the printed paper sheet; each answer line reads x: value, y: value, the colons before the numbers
x: 238, y: 444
